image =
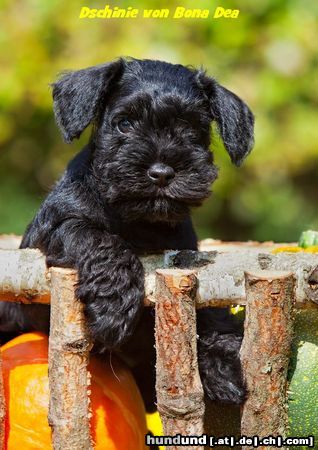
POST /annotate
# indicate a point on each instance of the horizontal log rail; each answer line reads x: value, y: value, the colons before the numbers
x: 25, y: 278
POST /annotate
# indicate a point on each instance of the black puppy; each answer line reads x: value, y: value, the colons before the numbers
x: 130, y: 191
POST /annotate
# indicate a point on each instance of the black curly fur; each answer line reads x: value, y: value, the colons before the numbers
x: 106, y: 210
x: 220, y: 338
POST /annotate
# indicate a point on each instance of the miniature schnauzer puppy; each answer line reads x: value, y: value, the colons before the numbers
x: 130, y: 191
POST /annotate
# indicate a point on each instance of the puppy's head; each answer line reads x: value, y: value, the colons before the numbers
x: 152, y: 133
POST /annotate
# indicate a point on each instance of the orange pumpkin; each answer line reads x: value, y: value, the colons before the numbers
x: 118, y: 420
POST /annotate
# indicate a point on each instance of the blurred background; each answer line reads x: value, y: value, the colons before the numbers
x: 268, y: 56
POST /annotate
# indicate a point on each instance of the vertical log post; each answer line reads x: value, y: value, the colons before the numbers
x: 2, y: 408
x: 69, y: 379
x: 265, y: 352
x: 178, y: 385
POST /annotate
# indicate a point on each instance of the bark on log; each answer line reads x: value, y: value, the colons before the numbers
x: 2, y: 408
x: 312, y: 286
x: 178, y: 385
x: 23, y: 275
x: 265, y: 352
x: 69, y: 345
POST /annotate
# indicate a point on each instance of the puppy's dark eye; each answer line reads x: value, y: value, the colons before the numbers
x: 124, y: 125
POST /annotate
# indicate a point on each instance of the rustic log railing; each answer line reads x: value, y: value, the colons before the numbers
x: 177, y: 282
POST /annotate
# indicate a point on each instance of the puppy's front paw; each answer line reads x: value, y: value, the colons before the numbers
x: 220, y: 368
x: 113, y: 314
x: 112, y: 289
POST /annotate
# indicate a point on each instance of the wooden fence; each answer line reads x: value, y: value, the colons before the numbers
x: 177, y: 282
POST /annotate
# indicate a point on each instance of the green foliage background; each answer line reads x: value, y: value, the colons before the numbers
x: 268, y: 56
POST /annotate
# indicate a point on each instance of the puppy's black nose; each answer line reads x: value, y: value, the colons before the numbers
x: 160, y: 174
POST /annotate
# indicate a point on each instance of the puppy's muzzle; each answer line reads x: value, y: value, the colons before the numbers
x: 161, y: 174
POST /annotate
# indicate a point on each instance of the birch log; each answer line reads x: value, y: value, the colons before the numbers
x: 69, y: 379
x: 178, y: 385
x: 265, y: 352
x: 24, y: 277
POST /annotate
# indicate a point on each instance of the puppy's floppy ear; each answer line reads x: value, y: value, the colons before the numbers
x: 78, y: 96
x: 234, y: 119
